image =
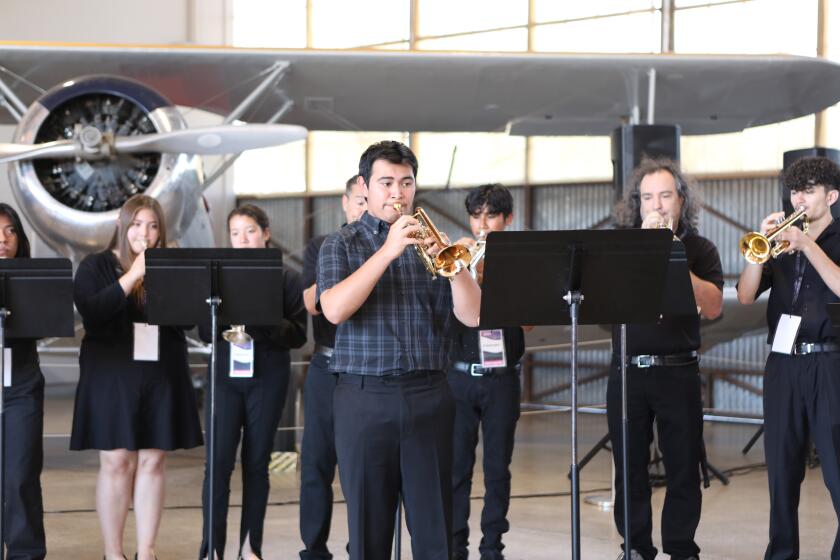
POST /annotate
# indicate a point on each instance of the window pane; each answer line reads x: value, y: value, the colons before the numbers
x: 439, y: 17
x: 269, y: 24
x: 338, y: 24
x: 271, y: 170
x: 755, y: 149
x: 760, y: 27
x: 637, y: 33
x: 493, y: 41
x: 479, y: 158
x: 569, y: 158
x: 552, y: 10
x: 334, y: 156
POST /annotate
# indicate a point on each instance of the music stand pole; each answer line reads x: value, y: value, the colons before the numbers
x: 214, y: 302
x: 625, y: 462
x: 3, y: 314
x: 574, y: 298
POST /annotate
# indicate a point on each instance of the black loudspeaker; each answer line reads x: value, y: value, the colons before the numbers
x: 792, y: 156
x: 632, y: 142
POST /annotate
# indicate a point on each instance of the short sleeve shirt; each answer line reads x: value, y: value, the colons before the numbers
x: 780, y: 276
x: 675, y: 335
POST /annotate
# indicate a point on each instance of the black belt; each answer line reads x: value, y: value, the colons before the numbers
x: 477, y: 370
x: 649, y: 360
x: 802, y: 348
x: 321, y: 349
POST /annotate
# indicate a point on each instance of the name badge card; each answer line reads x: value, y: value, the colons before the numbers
x: 491, y: 344
x: 7, y: 367
x: 786, y: 332
x: 146, y: 342
x: 241, y: 360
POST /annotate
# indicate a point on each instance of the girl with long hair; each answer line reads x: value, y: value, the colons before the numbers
x: 134, y: 400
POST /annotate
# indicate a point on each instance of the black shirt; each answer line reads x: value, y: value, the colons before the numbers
x: 108, y: 316
x: 404, y: 324
x: 675, y: 335
x: 465, y: 348
x: 25, y: 363
x: 271, y: 342
x: 781, y: 273
x: 323, y: 330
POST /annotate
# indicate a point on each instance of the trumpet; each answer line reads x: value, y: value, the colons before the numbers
x: 669, y: 225
x: 237, y: 336
x: 451, y: 260
x: 758, y: 248
x: 477, y: 254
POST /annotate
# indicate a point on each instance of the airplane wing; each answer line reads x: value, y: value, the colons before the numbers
x: 533, y: 94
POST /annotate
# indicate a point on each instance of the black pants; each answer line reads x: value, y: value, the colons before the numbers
x: 394, y: 436
x: 671, y: 396
x: 318, y: 459
x: 801, y: 401
x: 491, y: 402
x: 24, y: 439
x: 250, y: 409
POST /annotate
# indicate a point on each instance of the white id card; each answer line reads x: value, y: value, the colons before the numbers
x: 786, y: 332
x: 7, y: 367
x: 146, y: 342
x: 491, y: 344
x: 241, y: 360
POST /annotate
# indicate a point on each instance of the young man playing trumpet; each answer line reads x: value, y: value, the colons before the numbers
x: 663, y: 380
x: 802, y: 374
x: 484, y: 377
x: 393, y: 407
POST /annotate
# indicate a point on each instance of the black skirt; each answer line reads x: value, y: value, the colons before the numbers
x: 154, y: 408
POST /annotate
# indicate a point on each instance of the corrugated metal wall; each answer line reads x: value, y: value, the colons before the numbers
x: 742, y: 202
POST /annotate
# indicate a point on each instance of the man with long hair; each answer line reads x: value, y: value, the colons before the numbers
x: 663, y: 381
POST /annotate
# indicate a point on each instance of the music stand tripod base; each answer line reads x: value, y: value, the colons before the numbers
x: 603, y: 502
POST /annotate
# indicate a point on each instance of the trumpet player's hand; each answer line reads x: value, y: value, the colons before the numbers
x: 797, y: 239
x: 653, y: 220
x: 400, y: 236
x: 135, y: 274
x: 770, y: 222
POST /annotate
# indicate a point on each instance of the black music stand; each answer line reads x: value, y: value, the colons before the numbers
x: 36, y: 301
x: 240, y: 286
x: 619, y: 274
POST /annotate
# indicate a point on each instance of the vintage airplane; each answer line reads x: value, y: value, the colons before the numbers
x: 86, y: 145
x: 81, y: 148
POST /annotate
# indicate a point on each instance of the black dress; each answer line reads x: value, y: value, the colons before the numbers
x: 122, y: 403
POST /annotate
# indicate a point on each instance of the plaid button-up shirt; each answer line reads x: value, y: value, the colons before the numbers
x: 405, y: 323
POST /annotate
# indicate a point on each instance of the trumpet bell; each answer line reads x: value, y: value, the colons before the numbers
x: 237, y: 336
x: 452, y: 260
x: 755, y: 248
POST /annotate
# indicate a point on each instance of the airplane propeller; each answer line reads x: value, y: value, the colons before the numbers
x: 90, y: 143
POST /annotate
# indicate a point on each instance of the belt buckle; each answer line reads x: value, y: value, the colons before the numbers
x: 473, y: 368
x: 806, y: 348
x: 644, y: 361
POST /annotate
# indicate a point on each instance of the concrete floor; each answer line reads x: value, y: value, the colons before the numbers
x: 733, y: 526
